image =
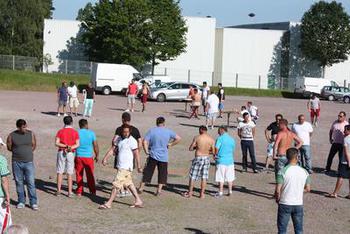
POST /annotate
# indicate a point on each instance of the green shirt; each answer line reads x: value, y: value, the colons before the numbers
x: 4, y: 171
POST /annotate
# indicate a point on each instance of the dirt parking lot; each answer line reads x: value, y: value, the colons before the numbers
x: 249, y: 210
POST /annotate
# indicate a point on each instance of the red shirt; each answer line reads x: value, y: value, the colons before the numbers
x: 68, y: 136
x: 132, y: 89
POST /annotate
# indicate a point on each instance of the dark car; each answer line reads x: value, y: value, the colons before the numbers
x: 333, y: 93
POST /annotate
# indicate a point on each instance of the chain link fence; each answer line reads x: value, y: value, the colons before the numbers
x: 15, y: 62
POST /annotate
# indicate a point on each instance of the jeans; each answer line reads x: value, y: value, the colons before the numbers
x: 283, y: 216
x: 335, y: 148
x: 305, y: 157
x: 89, y: 103
x: 248, y: 145
x: 281, y: 162
x: 23, y: 173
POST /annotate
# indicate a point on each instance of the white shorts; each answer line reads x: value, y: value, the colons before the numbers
x: 269, y: 149
x: 5, y: 213
x: 65, y: 163
x: 212, y: 115
x: 73, y: 102
x: 225, y: 173
x: 131, y: 98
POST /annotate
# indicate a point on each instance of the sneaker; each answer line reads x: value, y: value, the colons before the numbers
x: 35, y: 207
x: 229, y: 193
x: 65, y: 115
x: 127, y: 110
x: 20, y: 206
x: 218, y: 195
x: 58, y: 114
x: 71, y: 195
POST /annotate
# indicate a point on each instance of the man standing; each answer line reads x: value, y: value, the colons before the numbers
x: 253, y: 111
x: 22, y: 143
x: 212, y: 109
x: 67, y: 141
x: 5, y: 216
x: 284, y: 141
x: 274, y: 129
x: 127, y: 151
x: 131, y: 94
x: 89, y: 100
x: 304, y: 131
x: 246, y: 132
x: 73, y: 98
x: 314, y: 107
x: 87, y: 152
x: 205, y: 94
x: 221, y: 96
x: 145, y: 94
x: 344, y: 166
x: 336, y: 138
x: 62, y: 98
x: 196, y: 103
x: 292, y: 181
x: 203, y: 145
x: 224, y: 156
x: 156, y: 144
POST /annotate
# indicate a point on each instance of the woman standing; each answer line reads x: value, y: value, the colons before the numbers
x: 89, y: 99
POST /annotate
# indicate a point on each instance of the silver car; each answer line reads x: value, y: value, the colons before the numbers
x: 172, y: 91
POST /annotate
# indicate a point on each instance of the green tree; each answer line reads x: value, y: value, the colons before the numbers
x: 21, y: 26
x: 325, y: 33
x: 133, y: 32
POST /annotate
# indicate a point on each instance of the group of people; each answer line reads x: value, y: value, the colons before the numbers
x: 132, y: 93
x: 69, y: 96
x: 78, y: 150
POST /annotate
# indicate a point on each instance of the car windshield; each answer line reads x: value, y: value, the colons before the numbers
x: 164, y: 85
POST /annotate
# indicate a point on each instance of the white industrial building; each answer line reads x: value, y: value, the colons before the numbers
x: 250, y: 56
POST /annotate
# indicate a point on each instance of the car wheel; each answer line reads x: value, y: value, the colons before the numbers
x: 331, y: 98
x: 106, y: 90
x: 347, y: 99
x: 161, y: 97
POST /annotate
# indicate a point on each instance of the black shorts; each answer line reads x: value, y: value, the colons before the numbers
x: 343, y: 171
x: 148, y: 171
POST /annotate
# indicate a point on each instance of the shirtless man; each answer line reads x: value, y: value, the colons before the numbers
x: 196, y: 103
x: 284, y: 141
x: 203, y: 145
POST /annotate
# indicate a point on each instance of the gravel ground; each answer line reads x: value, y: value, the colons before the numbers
x: 249, y: 210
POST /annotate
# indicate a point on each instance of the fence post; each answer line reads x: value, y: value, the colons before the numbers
x: 65, y: 66
x: 344, y: 83
x: 281, y: 81
x: 13, y: 62
x: 165, y: 71
x: 236, y: 80
x: 90, y: 67
x: 212, y: 78
x: 189, y: 76
x: 259, y: 86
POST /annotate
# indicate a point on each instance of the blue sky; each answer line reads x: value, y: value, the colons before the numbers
x: 227, y: 12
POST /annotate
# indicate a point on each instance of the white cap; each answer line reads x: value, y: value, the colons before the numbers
x: 2, y: 142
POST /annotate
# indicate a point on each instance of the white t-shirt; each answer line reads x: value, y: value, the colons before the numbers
x: 253, y: 111
x: 246, y: 130
x: 73, y: 91
x: 205, y: 93
x: 293, y: 179
x: 303, y: 131
x: 125, y: 154
x: 346, y: 144
x: 315, y: 103
x: 213, y: 102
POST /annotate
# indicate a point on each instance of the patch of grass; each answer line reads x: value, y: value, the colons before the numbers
x: 34, y: 81
x: 230, y: 91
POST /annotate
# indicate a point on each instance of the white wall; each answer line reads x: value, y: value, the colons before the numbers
x: 56, y: 35
x: 199, y: 55
x: 248, y: 53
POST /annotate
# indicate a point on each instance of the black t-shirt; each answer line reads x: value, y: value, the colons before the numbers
x: 90, y: 93
x: 221, y: 95
x: 135, y: 133
x: 273, y: 127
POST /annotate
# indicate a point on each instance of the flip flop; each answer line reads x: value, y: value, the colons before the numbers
x: 186, y: 195
x: 332, y: 195
x: 137, y: 206
x: 104, y: 207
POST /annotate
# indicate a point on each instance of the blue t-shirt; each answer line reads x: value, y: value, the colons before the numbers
x: 63, y: 94
x: 226, y: 146
x: 86, y: 138
x: 158, y: 139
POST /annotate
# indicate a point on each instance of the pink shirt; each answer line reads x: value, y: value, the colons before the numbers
x: 338, y: 132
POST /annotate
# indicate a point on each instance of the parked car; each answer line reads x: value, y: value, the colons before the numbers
x: 172, y: 91
x: 334, y: 93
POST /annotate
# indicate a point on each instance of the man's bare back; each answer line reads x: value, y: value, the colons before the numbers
x: 203, y: 145
x: 285, y: 140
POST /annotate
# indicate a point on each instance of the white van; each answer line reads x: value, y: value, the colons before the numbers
x: 308, y: 85
x: 153, y: 79
x: 107, y: 78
